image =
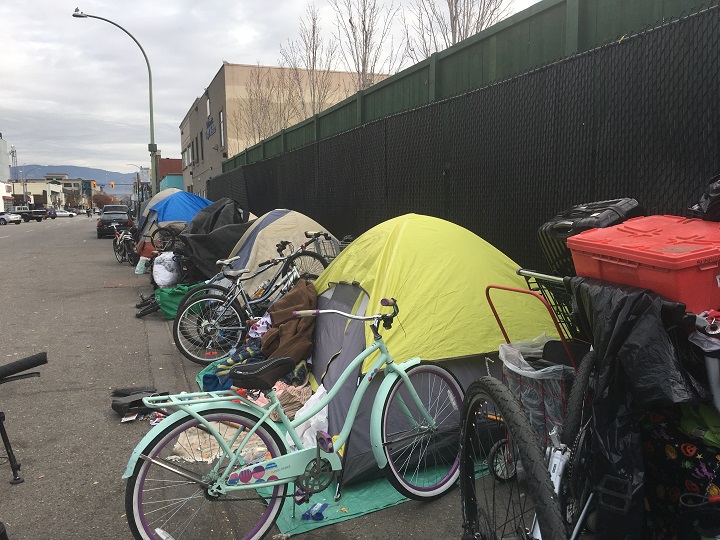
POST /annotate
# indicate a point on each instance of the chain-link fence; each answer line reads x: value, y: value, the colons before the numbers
x: 635, y: 118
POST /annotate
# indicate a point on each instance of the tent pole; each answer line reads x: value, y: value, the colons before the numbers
x: 338, y: 488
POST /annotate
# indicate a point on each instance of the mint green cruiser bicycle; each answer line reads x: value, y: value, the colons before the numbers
x: 218, y: 467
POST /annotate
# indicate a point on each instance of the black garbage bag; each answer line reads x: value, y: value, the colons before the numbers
x: 644, y: 361
x: 708, y: 206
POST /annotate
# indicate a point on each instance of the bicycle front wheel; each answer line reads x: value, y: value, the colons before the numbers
x: 423, y: 453
x: 308, y: 264
x: 131, y: 253
x: 207, y: 328
x: 162, y: 504
x: 503, y: 502
x: 119, y: 250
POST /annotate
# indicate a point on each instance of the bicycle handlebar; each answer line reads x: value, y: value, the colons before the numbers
x: 23, y: 364
x: 378, y: 316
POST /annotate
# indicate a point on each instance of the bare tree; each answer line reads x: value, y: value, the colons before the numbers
x: 430, y: 28
x: 311, y: 61
x: 271, y: 103
x: 365, y: 36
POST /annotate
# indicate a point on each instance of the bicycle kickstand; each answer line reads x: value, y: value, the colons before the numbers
x: 14, y: 463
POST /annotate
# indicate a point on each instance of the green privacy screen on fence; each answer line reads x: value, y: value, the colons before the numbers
x: 543, y: 33
x: 638, y: 117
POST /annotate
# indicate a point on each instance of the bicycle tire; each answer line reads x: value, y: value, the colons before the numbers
x: 209, y: 289
x: 423, y: 464
x: 576, y: 408
x: 208, y: 328
x: 152, y: 307
x: 130, y: 252
x: 163, y: 238
x: 502, y: 469
x: 159, y: 501
x: 119, y: 251
x: 577, y: 480
x: 490, y: 509
x: 201, y: 290
x: 308, y: 263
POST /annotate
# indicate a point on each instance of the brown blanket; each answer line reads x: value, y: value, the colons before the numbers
x: 288, y: 336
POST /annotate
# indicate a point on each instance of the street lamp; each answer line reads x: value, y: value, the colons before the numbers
x: 152, y: 147
x: 25, y: 173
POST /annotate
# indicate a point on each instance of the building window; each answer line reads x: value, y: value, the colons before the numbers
x: 202, y: 146
x: 208, y: 106
x: 222, y: 129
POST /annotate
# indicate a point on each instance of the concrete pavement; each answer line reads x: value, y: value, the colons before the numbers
x: 64, y: 293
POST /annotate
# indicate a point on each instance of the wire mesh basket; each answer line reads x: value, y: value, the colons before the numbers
x: 327, y: 247
x: 559, y: 299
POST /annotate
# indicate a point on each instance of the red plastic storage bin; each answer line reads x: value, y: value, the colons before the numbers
x: 676, y: 257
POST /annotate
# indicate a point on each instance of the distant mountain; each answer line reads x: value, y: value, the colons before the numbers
x: 123, y: 181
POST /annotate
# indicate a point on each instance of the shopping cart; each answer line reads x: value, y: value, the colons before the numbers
x: 541, y: 382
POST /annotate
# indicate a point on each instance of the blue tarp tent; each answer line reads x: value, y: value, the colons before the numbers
x: 177, y: 210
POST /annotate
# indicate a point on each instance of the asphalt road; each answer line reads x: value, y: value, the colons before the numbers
x: 63, y: 292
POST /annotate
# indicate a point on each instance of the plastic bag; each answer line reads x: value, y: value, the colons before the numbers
x: 308, y: 430
x: 166, y: 270
x: 141, y: 267
x: 513, y: 357
x: 542, y: 392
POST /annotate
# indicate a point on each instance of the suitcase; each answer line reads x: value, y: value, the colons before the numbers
x: 553, y: 235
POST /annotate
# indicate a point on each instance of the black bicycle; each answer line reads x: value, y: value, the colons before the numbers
x: 9, y: 373
x: 211, y: 319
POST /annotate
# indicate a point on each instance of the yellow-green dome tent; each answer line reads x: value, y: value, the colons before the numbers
x: 438, y: 272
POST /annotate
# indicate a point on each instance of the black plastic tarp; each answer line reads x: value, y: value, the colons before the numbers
x: 644, y: 361
x: 213, y: 233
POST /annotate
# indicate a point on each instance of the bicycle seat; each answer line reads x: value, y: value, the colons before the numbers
x: 229, y: 272
x: 261, y: 375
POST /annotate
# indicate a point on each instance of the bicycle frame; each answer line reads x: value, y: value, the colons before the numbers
x: 288, y: 467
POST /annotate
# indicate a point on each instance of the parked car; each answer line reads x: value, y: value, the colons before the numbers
x: 39, y: 214
x: 107, y: 220
x: 65, y: 213
x: 115, y: 208
x: 9, y: 217
x: 51, y: 213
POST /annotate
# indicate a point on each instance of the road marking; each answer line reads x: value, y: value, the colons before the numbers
x: 8, y: 236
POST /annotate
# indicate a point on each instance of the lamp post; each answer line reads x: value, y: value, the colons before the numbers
x: 25, y: 173
x: 152, y: 147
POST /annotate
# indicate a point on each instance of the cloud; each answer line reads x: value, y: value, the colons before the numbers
x: 75, y: 91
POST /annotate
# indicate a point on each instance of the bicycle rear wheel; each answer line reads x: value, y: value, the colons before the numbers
x: 308, y: 264
x: 163, y: 239
x: 207, y: 328
x: 492, y: 509
x: 423, y: 460
x: 161, y: 504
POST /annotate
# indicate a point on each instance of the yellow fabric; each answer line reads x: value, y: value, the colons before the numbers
x: 438, y: 272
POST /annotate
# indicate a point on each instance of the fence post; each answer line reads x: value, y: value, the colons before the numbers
x: 572, y: 24
x: 432, y: 77
x: 359, y: 107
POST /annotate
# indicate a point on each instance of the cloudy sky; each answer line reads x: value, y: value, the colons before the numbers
x: 75, y: 91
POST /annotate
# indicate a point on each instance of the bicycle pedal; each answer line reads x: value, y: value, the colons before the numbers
x: 615, y: 494
x: 324, y: 441
x: 300, y: 497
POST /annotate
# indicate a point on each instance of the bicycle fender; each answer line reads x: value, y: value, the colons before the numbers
x: 156, y: 430
x: 377, y: 411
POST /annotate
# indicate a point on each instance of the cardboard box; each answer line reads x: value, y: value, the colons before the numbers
x: 676, y: 257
